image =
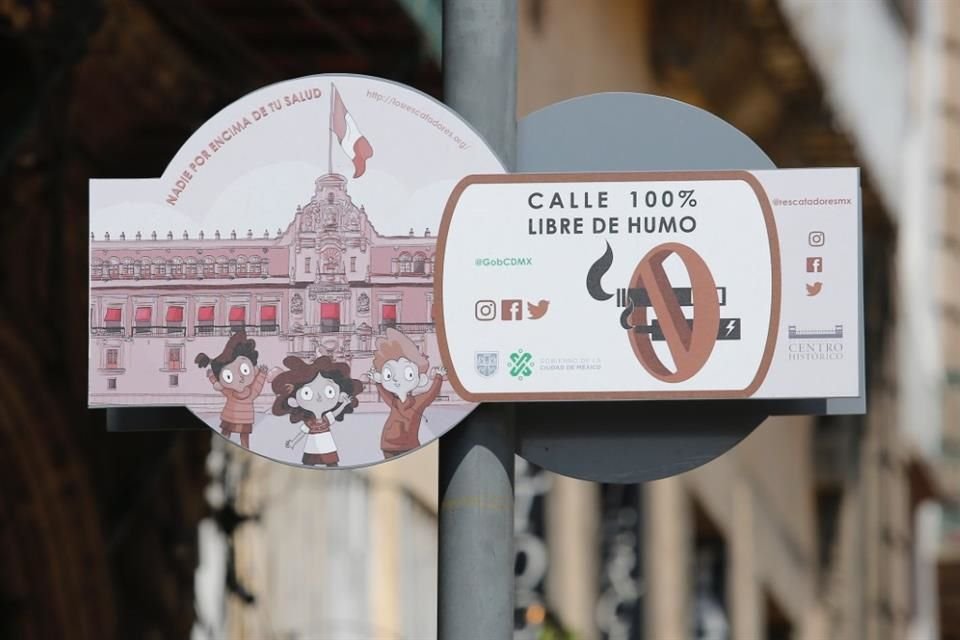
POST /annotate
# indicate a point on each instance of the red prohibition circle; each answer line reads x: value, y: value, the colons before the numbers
x: 690, y: 343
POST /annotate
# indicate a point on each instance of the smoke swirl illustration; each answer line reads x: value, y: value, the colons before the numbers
x: 625, y: 316
x: 597, y: 270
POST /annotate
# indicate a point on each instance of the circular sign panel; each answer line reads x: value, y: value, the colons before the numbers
x: 652, y: 439
x: 277, y: 280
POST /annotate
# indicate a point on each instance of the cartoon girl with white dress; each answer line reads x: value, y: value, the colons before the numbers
x: 316, y: 395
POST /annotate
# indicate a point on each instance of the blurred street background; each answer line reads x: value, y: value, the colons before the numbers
x: 845, y: 528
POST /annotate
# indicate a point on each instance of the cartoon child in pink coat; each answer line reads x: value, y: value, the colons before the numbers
x: 235, y: 374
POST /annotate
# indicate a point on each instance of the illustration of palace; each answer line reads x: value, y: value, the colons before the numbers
x: 327, y: 285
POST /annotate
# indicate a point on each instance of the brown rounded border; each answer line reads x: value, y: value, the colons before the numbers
x: 646, y: 176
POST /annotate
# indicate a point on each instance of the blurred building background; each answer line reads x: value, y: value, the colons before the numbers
x: 811, y: 528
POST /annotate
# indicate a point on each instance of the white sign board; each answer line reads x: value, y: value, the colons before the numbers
x: 673, y: 285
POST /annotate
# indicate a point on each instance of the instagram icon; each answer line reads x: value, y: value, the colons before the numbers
x: 485, y: 310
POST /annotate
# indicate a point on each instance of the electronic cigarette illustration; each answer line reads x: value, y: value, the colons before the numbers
x: 690, y: 335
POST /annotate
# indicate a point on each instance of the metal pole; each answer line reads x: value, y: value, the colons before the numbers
x: 476, y: 562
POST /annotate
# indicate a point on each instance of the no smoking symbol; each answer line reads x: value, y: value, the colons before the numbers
x: 690, y: 343
x: 689, y: 340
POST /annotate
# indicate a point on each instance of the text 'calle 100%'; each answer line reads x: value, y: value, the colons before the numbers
x: 578, y: 225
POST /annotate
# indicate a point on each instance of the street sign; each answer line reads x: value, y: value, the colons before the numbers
x: 277, y: 279
x: 676, y: 285
x: 637, y: 441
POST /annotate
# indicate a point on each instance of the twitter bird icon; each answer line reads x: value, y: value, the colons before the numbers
x: 535, y: 311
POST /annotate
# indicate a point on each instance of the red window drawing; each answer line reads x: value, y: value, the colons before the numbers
x: 174, y: 358
x: 329, y: 317
x: 112, y: 320
x: 113, y: 359
x: 268, y: 314
x: 238, y: 316
x: 142, y: 319
x: 388, y: 315
x: 175, y: 315
x: 205, y: 315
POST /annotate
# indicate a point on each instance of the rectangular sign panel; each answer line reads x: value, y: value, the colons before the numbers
x: 729, y: 284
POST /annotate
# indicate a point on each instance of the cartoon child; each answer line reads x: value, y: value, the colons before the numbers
x: 322, y: 388
x: 235, y: 374
x: 399, y: 369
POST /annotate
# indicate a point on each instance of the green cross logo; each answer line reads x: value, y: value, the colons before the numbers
x: 521, y: 364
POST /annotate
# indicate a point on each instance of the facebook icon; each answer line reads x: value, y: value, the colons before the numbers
x: 814, y: 265
x: 511, y: 310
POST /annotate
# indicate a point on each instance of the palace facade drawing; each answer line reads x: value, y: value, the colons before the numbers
x: 327, y: 285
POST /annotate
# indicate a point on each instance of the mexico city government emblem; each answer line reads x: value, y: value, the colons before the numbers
x: 486, y: 363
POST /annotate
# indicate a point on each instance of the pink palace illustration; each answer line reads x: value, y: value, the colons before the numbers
x: 327, y: 285
x: 313, y: 344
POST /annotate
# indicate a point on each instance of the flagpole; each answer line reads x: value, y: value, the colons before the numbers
x: 330, y: 134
